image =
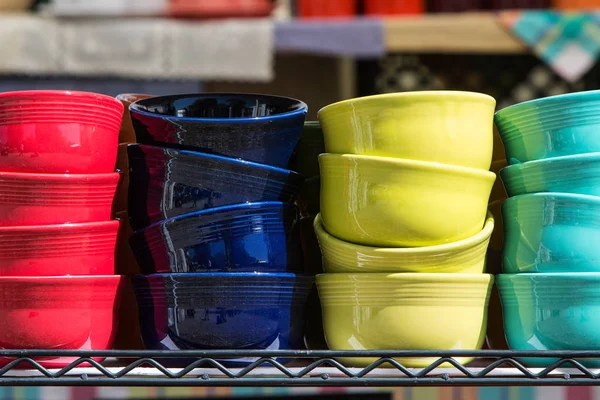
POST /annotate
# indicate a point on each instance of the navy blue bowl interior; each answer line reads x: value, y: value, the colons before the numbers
x: 166, y: 183
x: 220, y: 106
x: 222, y: 311
x: 252, y: 237
x: 254, y: 127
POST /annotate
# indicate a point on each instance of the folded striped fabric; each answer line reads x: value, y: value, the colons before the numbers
x: 569, y: 42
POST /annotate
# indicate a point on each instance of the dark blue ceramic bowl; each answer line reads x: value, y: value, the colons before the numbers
x: 165, y: 183
x: 249, y: 237
x: 227, y: 311
x: 254, y: 127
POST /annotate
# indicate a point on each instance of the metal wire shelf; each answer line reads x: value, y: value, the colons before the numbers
x: 306, y: 368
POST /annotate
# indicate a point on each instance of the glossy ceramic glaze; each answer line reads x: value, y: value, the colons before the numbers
x: 408, y: 311
x: 166, y: 183
x: 68, y: 249
x: 253, y: 127
x: 262, y: 237
x: 58, y: 132
x: 127, y: 134
x: 551, y: 232
x: 466, y: 256
x: 222, y: 311
x: 59, y: 313
x: 440, y: 126
x: 559, y: 311
x: 306, y: 156
x: 578, y: 174
x: 40, y: 199
x: 380, y: 201
x: 551, y: 127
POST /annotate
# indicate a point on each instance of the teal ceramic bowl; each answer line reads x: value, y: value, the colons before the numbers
x: 550, y: 127
x: 578, y: 174
x: 558, y: 311
x: 551, y: 232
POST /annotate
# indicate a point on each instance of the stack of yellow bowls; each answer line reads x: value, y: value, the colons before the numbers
x: 404, y: 227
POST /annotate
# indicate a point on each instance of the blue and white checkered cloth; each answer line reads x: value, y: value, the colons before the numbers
x: 568, y: 42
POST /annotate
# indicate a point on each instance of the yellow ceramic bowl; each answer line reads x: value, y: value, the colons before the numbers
x: 441, y: 126
x: 465, y: 256
x: 389, y: 202
x: 407, y: 311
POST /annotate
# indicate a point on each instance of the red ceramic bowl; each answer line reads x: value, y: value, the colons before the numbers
x: 48, y: 131
x: 58, y: 313
x: 69, y: 249
x: 41, y: 199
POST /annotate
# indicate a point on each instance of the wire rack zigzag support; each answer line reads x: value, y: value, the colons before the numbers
x: 305, y: 368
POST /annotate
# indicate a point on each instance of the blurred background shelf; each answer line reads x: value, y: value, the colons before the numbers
x: 459, y: 33
x: 478, y: 32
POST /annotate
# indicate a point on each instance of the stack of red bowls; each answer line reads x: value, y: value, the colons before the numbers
x: 58, y: 288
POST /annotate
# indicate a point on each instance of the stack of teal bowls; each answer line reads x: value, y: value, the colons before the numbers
x: 403, y: 224
x: 550, y: 289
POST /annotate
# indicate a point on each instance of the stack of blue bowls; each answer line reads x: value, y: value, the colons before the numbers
x: 550, y: 289
x: 216, y: 230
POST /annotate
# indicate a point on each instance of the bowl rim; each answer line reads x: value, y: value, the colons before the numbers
x: 201, y: 275
x: 595, y: 156
x: 215, y: 210
x: 422, y: 165
x: 64, y: 278
x: 108, y: 177
x: 199, y: 154
x: 302, y: 108
x: 547, y: 275
x: 583, y: 198
x: 463, y: 244
x: 63, y: 228
x: 412, y: 96
x: 341, y: 277
x: 560, y: 98
x: 36, y: 93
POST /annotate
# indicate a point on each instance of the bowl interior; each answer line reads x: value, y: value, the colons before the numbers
x: 219, y: 106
